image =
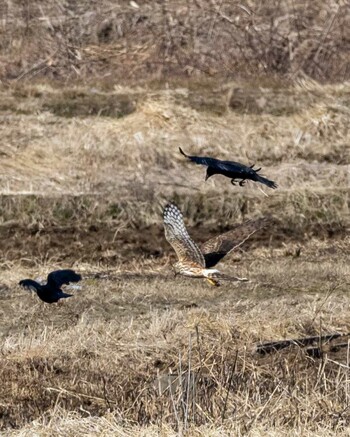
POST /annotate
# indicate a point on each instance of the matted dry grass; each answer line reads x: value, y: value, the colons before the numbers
x: 137, y: 351
x: 112, y: 350
x: 304, y: 150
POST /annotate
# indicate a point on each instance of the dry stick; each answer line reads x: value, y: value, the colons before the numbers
x: 54, y: 408
x: 228, y: 388
x: 347, y: 380
x: 331, y: 291
x: 105, y: 393
x: 265, y: 194
x: 273, y: 346
x: 197, y: 377
x: 325, y: 34
x: 173, y: 404
x: 320, y: 372
x: 42, y: 64
x: 340, y: 365
x: 76, y: 394
x: 264, y: 407
x: 188, y: 383
x: 181, y: 394
x: 317, y: 350
x: 213, y: 21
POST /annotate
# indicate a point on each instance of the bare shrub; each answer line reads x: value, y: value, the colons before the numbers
x: 160, y: 39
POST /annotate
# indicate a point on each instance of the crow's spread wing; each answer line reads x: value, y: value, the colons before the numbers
x: 227, y: 166
x: 202, y: 160
x: 61, y: 277
x: 29, y: 284
x: 240, y: 170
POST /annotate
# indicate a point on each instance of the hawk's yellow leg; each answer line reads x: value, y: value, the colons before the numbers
x: 213, y: 282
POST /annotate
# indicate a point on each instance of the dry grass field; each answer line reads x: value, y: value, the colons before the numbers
x: 84, y: 176
x: 95, y: 99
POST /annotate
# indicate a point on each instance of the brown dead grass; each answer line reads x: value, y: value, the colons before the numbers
x: 161, y: 39
x: 107, y: 351
x: 87, y: 192
x: 307, y: 149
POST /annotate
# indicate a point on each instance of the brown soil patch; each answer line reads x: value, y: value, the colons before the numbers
x: 103, y: 243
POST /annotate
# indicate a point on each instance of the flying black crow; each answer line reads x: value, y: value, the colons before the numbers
x: 51, y: 292
x: 231, y: 169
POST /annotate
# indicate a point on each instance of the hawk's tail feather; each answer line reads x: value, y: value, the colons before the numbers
x: 224, y: 277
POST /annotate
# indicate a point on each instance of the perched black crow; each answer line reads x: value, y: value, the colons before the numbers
x: 51, y: 292
x: 231, y: 169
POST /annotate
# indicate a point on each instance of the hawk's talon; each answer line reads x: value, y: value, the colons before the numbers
x: 213, y: 282
x: 242, y: 182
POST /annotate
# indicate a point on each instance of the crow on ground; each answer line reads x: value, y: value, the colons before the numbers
x: 51, y: 292
x: 230, y: 169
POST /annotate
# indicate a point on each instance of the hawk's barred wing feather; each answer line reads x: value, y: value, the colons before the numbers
x: 176, y: 234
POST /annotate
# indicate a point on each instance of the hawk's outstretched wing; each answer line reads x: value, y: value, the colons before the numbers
x: 216, y: 248
x: 176, y: 234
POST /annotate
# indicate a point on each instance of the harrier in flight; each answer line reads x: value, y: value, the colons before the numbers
x: 51, y: 292
x: 230, y: 169
x: 198, y: 262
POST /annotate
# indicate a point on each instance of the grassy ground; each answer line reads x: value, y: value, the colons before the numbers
x: 137, y: 351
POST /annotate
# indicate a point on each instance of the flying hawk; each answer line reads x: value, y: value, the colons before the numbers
x: 198, y: 262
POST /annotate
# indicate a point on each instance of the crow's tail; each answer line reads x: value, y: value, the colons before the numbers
x: 266, y: 181
x: 64, y: 295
